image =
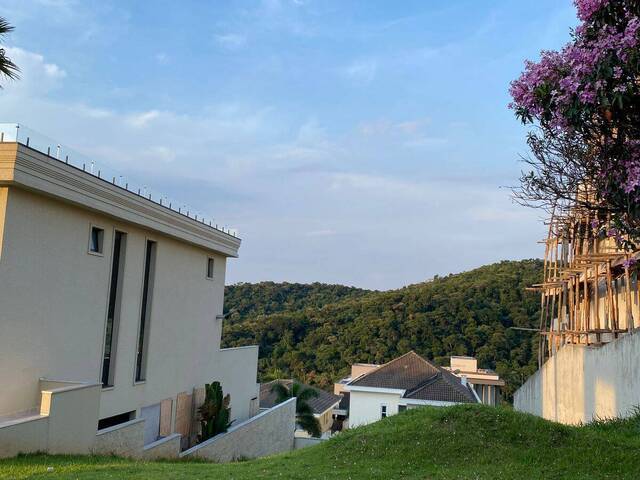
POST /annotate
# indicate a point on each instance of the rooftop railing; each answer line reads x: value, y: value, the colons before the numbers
x: 14, y: 132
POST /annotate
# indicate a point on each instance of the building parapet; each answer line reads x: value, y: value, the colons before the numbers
x: 28, y: 168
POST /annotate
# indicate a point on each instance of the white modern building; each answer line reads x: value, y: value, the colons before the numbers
x: 486, y: 383
x: 409, y: 381
x: 110, y: 312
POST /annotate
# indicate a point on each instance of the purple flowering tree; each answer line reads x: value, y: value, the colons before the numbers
x: 584, y: 102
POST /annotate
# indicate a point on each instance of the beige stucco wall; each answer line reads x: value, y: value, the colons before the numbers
x: 364, y: 407
x: 54, y: 300
x: 325, y: 419
x: 581, y: 383
x: 268, y: 433
x: 73, y: 417
x: 65, y: 423
x: 4, y: 194
x: 24, y: 436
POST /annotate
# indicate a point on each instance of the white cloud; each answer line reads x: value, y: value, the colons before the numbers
x: 231, y: 41
x: 161, y: 58
x: 361, y: 71
x: 139, y: 120
x: 36, y: 75
x: 238, y: 161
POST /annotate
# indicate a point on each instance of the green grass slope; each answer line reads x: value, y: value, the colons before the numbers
x: 462, y: 442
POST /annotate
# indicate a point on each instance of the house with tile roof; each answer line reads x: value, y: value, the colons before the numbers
x: 322, y: 405
x: 408, y: 381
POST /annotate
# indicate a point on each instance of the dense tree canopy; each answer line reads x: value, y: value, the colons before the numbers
x: 584, y: 101
x: 464, y: 314
x: 264, y: 298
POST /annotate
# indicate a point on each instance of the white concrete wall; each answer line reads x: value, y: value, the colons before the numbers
x: 268, y: 433
x: 364, y: 407
x: 26, y: 435
x: 54, y: 300
x: 65, y: 423
x: 307, y: 442
x: 580, y: 383
x: 73, y: 417
x: 237, y: 373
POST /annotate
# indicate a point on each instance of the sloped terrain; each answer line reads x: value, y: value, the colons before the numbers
x: 462, y: 442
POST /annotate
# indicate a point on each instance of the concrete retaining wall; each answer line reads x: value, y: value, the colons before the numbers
x: 167, y: 447
x: 26, y: 435
x: 267, y: 433
x: 65, y: 423
x: 579, y: 383
x: 307, y: 442
x: 125, y: 440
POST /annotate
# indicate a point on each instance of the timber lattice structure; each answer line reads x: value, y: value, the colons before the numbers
x: 589, y: 293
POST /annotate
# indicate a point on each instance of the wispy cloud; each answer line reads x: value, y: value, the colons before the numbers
x: 139, y: 120
x: 362, y: 71
x: 231, y: 41
x: 321, y: 233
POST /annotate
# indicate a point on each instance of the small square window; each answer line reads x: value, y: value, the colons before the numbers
x: 96, y: 240
x: 210, y: 268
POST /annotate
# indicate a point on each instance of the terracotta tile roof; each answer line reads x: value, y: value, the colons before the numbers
x: 421, y: 379
x: 319, y: 404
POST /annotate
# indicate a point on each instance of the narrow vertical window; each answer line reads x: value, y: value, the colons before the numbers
x: 113, y: 309
x: 210, y: 268
x: 145, y: 311
x: 383, y: 411
x: 96, y: 240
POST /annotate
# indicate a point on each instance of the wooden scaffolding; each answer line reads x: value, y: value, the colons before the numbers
x: 589, y: 293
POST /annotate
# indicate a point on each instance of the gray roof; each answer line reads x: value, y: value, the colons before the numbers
x: 319, y: 404
x: 421, y: 380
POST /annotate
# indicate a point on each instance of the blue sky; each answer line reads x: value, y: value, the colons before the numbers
x: 363, y: 143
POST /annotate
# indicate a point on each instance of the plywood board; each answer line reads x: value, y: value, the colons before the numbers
x: 198, y: 400
x: 166, y: 415
x: 183, y: 417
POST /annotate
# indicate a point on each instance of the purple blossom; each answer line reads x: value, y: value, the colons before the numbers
x: 586, y: 8
x: 629, y: 262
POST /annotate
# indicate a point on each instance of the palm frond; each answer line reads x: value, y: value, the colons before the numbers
x: 310, y: 424
x: 8, y: 69
x: 303, y: 408
x: 307, y: 394
x: 5, y: 27
x: 281, y: 391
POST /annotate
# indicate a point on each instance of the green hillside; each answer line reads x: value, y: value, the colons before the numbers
x: 253, y: 299
x: 464, y: 314
x: 462, y: 442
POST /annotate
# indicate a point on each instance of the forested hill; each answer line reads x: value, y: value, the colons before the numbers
x: 264, y: 298
x: 316, y: 336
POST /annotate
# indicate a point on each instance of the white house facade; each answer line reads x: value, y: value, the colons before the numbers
x: 110, y: 311
x: 408, y: 381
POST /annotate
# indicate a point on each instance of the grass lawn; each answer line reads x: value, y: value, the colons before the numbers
x: 462, y: 442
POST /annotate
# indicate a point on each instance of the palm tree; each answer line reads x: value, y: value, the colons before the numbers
x: 8, y: 69
x: 304, y: 413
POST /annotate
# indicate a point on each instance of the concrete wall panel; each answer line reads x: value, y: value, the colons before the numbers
x: 268, y: 433
x: 579, y: 383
